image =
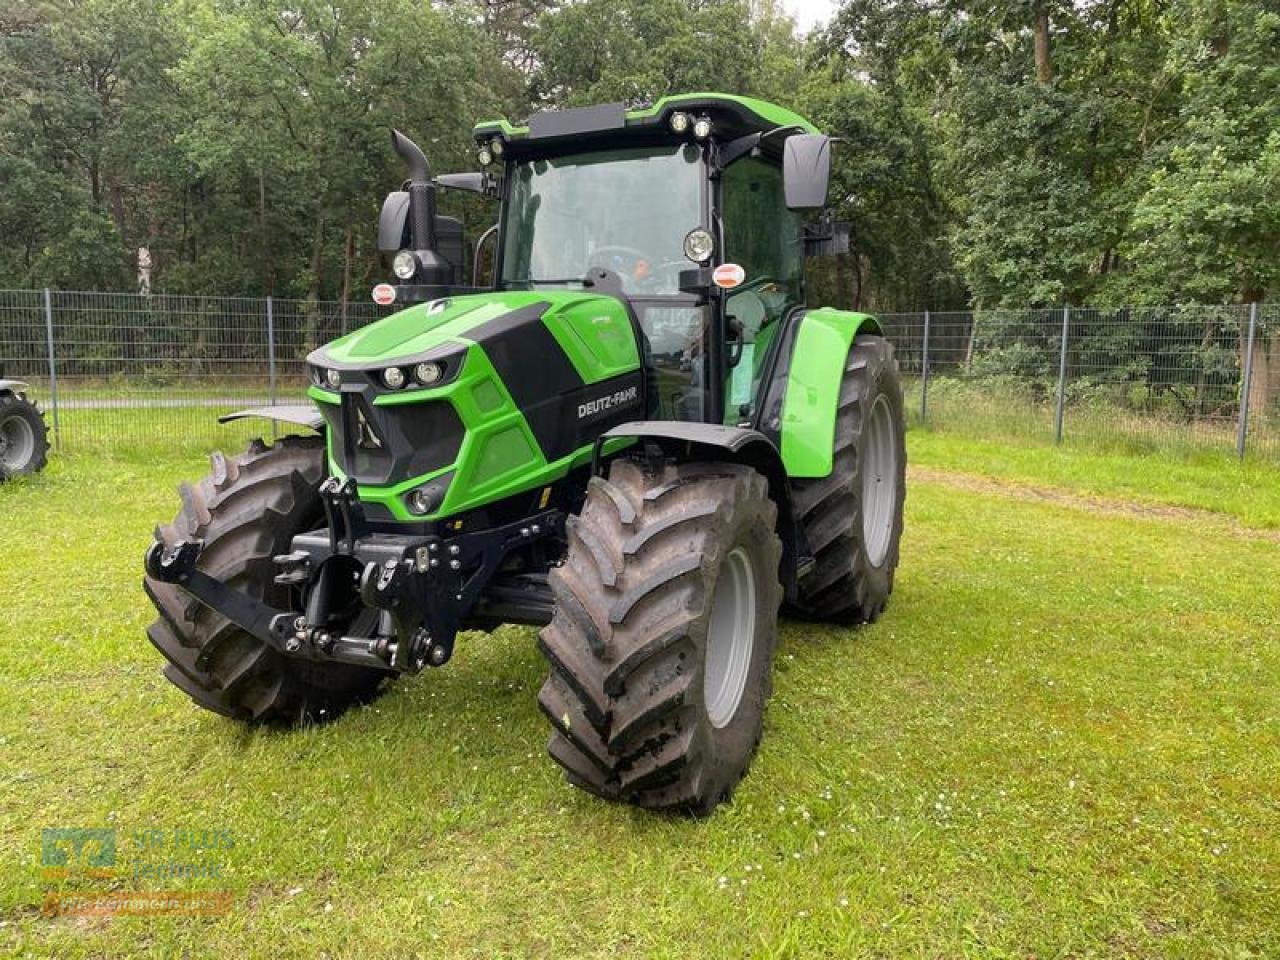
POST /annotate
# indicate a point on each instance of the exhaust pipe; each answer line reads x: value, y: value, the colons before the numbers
x: 432, y: 267
x: 412, y: 156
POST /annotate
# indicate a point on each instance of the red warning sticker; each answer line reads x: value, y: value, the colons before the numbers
x: 728, y: 275
x: 384, y: 294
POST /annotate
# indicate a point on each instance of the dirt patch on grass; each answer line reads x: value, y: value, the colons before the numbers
x: 975, y: 483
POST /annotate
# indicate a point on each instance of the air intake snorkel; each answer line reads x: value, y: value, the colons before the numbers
x: 433, y: 269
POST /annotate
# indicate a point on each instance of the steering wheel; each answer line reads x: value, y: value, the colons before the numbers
x: 628, y: 269
x: 653, y: 277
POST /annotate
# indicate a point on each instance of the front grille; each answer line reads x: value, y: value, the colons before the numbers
x: 381, y: 445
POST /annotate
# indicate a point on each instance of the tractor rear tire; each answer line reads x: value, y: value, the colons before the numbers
x: 661, y: 645
x: 852, y: 518
x: 246, y: 511
x: 24, y: 439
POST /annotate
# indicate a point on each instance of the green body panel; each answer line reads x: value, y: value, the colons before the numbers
x: 770, y: 113
x: 499, y: 455
x: 813, y: 388
x: 595, y: 333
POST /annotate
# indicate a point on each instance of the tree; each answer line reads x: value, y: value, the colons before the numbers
x: 639, y: 50
x: 293, y: 107
x: 1207, y: 226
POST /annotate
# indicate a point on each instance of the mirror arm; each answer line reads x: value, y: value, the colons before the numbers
x: 469, y: 182
x: 736, y: 150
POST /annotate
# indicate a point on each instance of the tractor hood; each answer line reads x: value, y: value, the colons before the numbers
x: 593, y: 331
x: 520, y: 384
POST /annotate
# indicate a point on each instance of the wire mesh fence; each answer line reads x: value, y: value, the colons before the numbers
x: 121, y: 372
x: 1142, y: 379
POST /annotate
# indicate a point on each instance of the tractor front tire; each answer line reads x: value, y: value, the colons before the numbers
x: 247, y: 510
x: 661, y: 645
x: 24, y: 439
x: 852, y: 518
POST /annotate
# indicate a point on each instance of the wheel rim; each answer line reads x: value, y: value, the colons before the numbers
x: 17, y: 443
x: 730, y: 637
x: 879, y: 482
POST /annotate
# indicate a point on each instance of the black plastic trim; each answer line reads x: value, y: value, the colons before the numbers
x: 768, y: 416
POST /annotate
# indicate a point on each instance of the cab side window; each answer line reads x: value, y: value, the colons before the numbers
x: 766, y: 239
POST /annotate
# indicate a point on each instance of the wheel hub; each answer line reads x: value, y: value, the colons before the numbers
x: 17, y: 443
x: 879, y: 482
x: 730, y: 638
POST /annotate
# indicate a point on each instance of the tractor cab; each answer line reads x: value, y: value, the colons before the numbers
x: 691, y: 211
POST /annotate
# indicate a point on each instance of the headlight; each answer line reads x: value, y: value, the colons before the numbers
x: 698, y: 245
x: 393, y: 377
x: 333, y: 378
x: 427, y: 373
x: 405, y: 265
x: 702, y: 128
x: 497, y: 147
x: 679, y: 122
x: 426, y: 499
x: 485, y: 156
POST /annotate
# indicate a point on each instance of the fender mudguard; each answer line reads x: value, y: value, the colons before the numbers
x: 12, y: 386
x: 683, y: 440
x: 301, y: 414
x: 798, y: 409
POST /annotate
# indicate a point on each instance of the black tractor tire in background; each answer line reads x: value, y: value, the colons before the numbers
x: 661, y: 646
x: 246, y: 511
x: 852, y: 518
x: 24, y: 439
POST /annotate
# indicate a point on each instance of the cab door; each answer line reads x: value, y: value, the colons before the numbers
x: 767, y: 240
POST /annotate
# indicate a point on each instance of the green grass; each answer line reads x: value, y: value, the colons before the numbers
x: 1061, y: 741
x: 1249, y: 491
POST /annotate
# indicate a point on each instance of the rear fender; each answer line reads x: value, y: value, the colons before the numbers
x: 12, y: 386
x: 797, y: 411
x: 684, y: 441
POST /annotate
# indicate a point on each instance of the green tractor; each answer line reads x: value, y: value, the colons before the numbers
x: 635, y: 436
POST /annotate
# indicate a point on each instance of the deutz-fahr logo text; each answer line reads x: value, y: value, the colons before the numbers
x: 593, y: 407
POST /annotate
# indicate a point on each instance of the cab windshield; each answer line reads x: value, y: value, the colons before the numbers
x: 625, y: 210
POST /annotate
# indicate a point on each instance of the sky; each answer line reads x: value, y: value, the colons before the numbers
x: 810, y: 13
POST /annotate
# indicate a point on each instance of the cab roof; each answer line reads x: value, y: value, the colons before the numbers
x: 731, y: 116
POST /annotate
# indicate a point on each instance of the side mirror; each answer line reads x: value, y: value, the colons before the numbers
x: 393, y: 221
x: 806, y: 170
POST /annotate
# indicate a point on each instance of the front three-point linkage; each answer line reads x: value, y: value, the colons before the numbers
x: 284, y: 630
x: 430, y: 591
x: 424, y: 586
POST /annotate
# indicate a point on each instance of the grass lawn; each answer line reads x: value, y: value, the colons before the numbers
x: 1248, y: 491
x: 1063, y: 740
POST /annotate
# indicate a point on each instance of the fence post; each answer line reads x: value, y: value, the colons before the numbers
x: 1062, y: 376
x: 271, y: 359
x: 924, y: 372
x: 1242, y: 431
x: 271, y: 351
x: 53, y: 368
